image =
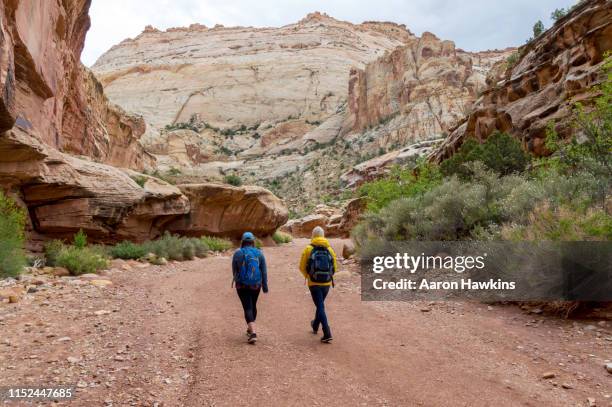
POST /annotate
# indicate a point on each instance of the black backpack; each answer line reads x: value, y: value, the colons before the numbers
x: 320, y: 265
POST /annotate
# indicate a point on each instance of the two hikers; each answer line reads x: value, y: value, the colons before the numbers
x: 317, y: 264
x: 250, y: 277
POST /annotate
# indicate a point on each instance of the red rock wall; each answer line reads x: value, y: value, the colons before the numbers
x: 553, y: 72
x: 49, y: 93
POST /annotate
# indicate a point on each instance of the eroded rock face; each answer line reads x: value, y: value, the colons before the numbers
x: 49, y: 93
x: 425, y: 86
x: 241, y: 75
x: 51, y: 106
x: 553, y: 72
x: 224, y: 210
x: 64, y: 194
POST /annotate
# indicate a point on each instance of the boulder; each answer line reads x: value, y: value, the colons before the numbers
x: 303, y: 227
x: 225, y: 210
x: 335, y: 222
x: 348, y: 249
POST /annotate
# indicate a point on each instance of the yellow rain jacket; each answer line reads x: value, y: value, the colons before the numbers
x: 317, y: 241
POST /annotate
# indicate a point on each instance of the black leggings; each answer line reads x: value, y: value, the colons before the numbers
x: 248, y: 298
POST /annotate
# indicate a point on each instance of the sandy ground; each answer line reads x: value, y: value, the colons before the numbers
x: 174, y: 336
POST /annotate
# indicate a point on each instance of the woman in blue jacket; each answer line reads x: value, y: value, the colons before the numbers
x: 250, y: 276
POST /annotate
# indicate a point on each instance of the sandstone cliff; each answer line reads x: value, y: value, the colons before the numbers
x: 426, y: 85
x: 290, y: 108
x: 61, y: 139
x: 47, y: 91
x: 552, y: 72
x: 242, y: 76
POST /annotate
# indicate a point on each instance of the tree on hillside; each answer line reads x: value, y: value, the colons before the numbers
x: 558, y: 13
x: 538, y: 28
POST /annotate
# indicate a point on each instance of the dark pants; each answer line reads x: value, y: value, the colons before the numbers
x: 318, y: 293
x: 248, y: 298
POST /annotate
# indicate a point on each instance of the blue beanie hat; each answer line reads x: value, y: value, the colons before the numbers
x: 248, y: 237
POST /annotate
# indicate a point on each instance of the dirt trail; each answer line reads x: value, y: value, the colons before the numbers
x: 175, y: 337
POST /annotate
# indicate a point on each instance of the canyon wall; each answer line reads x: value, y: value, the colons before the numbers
x: 427, y: 82
x: 61, y: 140
x: 290, y: 108
x: 235, y: 76
x: 50, y: 94
x: 552, y: 72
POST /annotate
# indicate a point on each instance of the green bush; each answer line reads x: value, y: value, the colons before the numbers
x: 52, y: 250
x: 81, y: 260
x: 156, y: 247
x: 217, y: 244
x: 141, y: 180
x: 512, y: 59
x: 200, y: 248
x: 561, y: 224
x: 128, y: 250
x: 173, y: 245
x: 80, y: 239
x: 188, y: 250
x: 501, y: 153
x: 281, y: 237
x: 233, y: 179
x: 12, y: 237
x: 476, y: 208
x: 400, y: 183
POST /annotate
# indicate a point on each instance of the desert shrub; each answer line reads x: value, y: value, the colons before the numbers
x: 233, y: 179
x: 476, y: 208
x: 200, y: 248
x: 512, y: 59
x: 173, y: 245
x: 217, y: 244
x: 400, y: 183
x: 81, y: 260
x: 281, y: 237
x: 258, y: 243
x: 80, y: 239
x: 157, y: 247
x: 141, y: 180
x: 128, y: 250
x: 188, y: 249
x: 52, y: 250
x: 501, y: 153
x: 12, y: 237
x: 561, y: 224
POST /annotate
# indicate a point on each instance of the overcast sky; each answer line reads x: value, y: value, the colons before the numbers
x: 473, y: 24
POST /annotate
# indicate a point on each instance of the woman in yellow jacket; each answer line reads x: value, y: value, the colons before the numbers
x: 315, y: 268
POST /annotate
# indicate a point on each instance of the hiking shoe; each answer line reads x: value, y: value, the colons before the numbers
x: 312, y: 325
x: 252, y: 338
x: 327, y: 339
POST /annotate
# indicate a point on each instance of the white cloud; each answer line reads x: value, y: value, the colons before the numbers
x: 472, y: 24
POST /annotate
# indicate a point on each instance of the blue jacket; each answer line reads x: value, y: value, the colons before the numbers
x: 239, y: 256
